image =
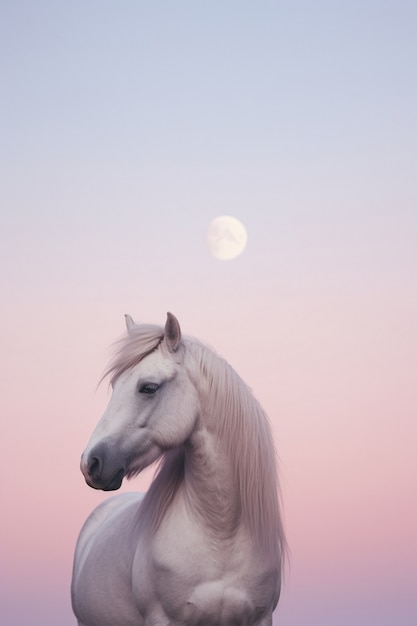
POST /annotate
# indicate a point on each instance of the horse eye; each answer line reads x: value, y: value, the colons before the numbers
x: 149, y: 388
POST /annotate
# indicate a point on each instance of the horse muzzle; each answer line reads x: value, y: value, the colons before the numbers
x: 100, y: 470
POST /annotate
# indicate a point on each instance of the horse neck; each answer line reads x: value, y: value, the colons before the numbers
x: 210, y: 485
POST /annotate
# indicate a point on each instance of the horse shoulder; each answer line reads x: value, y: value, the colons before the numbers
x: 102, y: 561
x: 94, y: 521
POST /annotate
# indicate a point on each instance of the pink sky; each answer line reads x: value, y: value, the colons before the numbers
x: 120, y: 149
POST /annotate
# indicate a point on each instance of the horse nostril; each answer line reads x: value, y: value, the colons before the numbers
x: 94, y: 468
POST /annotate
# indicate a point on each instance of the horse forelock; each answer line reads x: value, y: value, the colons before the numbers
x: 132, y: 348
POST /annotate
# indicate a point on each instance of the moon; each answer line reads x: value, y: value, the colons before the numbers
x: 226, y: 237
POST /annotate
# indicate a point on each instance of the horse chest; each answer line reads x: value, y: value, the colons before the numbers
x: 190, y: 579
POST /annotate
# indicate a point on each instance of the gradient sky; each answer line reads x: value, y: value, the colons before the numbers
x: 126, y: 128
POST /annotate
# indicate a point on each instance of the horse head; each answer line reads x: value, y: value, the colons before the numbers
x: 153, y: 407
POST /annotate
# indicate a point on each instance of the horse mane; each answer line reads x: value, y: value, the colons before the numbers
x: 240, y: 423
x: 235, y: 416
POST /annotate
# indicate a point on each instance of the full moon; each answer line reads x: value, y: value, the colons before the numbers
x: 226, y: 237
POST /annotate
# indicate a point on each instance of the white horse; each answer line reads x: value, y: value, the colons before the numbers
x: 205, y: 545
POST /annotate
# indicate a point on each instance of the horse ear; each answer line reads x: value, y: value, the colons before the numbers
x: 172, y: 332
x: 130, y: 324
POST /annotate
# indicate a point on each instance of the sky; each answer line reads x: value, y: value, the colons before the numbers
x: 126, y: 127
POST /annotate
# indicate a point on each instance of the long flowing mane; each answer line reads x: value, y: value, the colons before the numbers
x: 235, y: 416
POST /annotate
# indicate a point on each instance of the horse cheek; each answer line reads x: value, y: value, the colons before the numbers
x: 183, y: 412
